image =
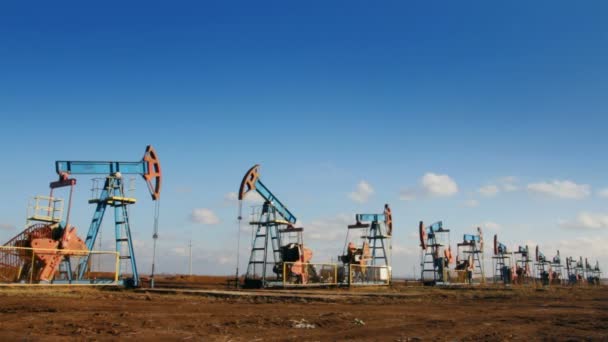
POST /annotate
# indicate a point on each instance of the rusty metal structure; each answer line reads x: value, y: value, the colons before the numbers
x: 52, y: 242
x: 469, y: 257
x: 593, y: 273
x: 557, y: 270
x: 543, y: 267
x: 436, y: 254
x: 523, y: 271
x: 112, y: 195
x: 366, y: 257
x: 55, y: 243
x: 503, y: 263
x: 576, y: 271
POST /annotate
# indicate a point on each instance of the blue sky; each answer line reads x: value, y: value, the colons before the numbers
x: 506, y: 98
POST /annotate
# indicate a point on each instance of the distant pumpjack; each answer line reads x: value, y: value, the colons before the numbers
x: 436, y: 253
x: 367, y: 256
x: 503, y: 263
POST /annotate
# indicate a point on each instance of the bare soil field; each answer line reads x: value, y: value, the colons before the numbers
x: 400, y: 313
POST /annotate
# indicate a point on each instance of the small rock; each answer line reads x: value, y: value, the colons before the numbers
x: 302, y: 324
x: 358, y: 321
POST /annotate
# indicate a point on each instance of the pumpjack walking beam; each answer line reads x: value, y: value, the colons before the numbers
x: 113, y: 195
x: 251, y: 182
x: 148, y: 168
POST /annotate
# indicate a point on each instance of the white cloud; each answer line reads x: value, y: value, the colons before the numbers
x: 603, y: 193
x: 431, y: 185
x: 231, y: 197
x: 252, y: 198
x: 6, y: 226
x: 139, y: 244
x: 508, y: 179
x: 472, y: 203
x: 587, y: 220
x: 400, y: 250
x: 489, y: 190
x: 362, y: 193
x: 439, y: 185
x: 180, y: 251
x: 561, y: 189
x: 509, y: 184
x: 408, y: 194
x: 492, y: 226
x: 225, y: 259
x: 328, y: 229
x: 204, y: 216
x: 506, y: 184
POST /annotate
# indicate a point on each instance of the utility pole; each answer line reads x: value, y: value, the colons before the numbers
x: 190, y: 262
x: 154, y: 238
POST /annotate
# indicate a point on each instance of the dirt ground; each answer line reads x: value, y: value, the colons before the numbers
x: 401, y: 313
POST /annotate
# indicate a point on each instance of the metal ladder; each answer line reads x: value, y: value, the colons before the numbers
x: 375, y: 237
x: 258, y: 258
x: 499, y: 268
x: 267, y: 233
x: 124, y: 244
x: 478, y: 264
x: 258, y: 254
x: 112, y: 194
x: 428, y: 259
